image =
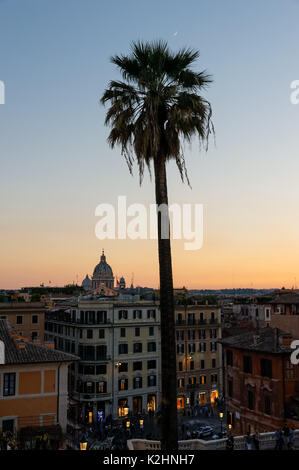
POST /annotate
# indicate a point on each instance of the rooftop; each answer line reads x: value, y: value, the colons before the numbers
x: 18, y: 351
x: 269, y: 340
x: 290, y: 298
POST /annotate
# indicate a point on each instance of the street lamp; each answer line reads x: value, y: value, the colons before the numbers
x: 141, y: 423
x: 128, y: 424
x: 221, y: 418
x: 83, y: 445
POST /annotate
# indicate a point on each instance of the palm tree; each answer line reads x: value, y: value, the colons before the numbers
x: 155, y: 106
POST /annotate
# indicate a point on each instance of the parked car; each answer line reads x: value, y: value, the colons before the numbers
x: 204, y: 431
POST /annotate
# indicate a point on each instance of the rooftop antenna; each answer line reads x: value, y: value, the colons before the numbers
x: 132, y: 279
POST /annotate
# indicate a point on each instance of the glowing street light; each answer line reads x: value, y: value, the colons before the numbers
x: 221, y: 418
x: 83, y: 445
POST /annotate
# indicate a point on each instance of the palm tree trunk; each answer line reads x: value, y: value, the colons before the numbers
x: 169, y: 439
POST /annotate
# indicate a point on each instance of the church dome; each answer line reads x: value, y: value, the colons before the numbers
x: 86, y: 283
x: 102, y: 270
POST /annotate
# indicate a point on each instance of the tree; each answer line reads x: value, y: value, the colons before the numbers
x: 156, y: 106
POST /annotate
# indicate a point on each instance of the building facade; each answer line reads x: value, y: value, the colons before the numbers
x: 27, y: 318
x: 33, y: 384
x: 118, y: 343
x: 261, y: 383
x: 199, y: 356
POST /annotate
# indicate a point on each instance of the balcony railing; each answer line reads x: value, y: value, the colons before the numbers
x: 266, y: 441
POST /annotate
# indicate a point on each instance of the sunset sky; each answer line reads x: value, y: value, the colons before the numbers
x: 56, y: 165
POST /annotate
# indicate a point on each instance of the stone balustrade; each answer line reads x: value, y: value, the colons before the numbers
x: 266, y: 440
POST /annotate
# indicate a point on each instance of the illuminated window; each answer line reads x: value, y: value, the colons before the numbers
x: 123, y: 384
x: 181, y: 383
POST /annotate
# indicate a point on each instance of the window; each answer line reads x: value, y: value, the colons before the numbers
x: 230, y: 388
x: 8, y: 425
x: 123, y: 384
x: 151, y: 347
x: 137, y: 382
x: 213, y: 346
x: 289, y: 370
x: 213, y: 363
x: 123, y: 367
x: 102, y: 387
x: 34, y: 335
x: 191, y: 365
x: 192, y: 380
x: 214, y: 378
x: 247, y: 364
x: 89, y: 370
x: 180, y: 366
x: 9, y: 384
x: 123, y: 332
x: 202, y: 364
x: 229, y: 358
x: 203, y: 379
x: 89, y: 353
x: 213, y: 333
x: 151, y: 331
x: 89, y: 334
x: 191, y: 348
x: 191, y: 334
x: 34, y: 318
x: 202, y: 347
x: 152, y: 364
x: 180, y: 348
x: 123, y: 314
x: 137, y: 331
x: 250, y: 400
x: 101, y: 352
x: 151, y: 381
x: 202, y: 334
x: 101, y: 333
x: 181, y: 383
x: 191, y: 319
x: 137, y: 348
x: 19, y: 319
x: 151, y: 314
x: 137, y: 365
x: 122, y: 349
x: 101, y: 369
x: 267, y: 405
x: 180, y: 335
x: 137, y: 314
x: 101, y: 317
x: 266, y: 368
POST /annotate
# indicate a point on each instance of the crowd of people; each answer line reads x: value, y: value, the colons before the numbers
x: 284, y: 439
